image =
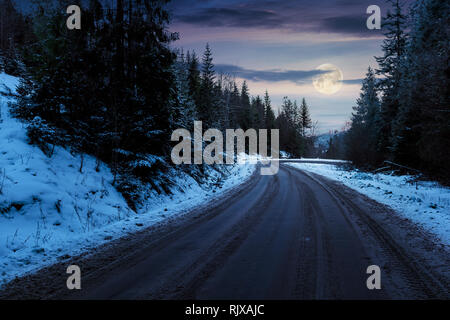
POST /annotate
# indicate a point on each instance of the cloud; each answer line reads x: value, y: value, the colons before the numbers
x: 345, y: 17
x: 296, y: 76
x: 352, y: 24
x: 353, y: 81
x: 230, y: 17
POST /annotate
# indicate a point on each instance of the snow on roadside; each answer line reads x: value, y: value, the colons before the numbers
x: 424, y: 203
x: 49, y: 209
x: 309, y: 160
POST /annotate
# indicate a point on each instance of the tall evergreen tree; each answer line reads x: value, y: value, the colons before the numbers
x: 183, y: 109
x: 194, y: 76
x: 235, y: 106
x: 361, y: 138
x: 107, y: 87
x: 305, y: 118
x: 290, y: 127
x: 269, y: 115
x: 208, y: 105
x: 15, y: 32
x: 258, y: 113
x: 421, y: 131
x: 246, y: 117
x: 394, y: 47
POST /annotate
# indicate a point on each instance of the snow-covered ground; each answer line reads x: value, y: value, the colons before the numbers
x: 49, y: 209
x: 424, y: 203
x: 309, y: 160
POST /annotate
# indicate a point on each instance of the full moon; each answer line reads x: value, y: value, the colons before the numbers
x: 328, y: 82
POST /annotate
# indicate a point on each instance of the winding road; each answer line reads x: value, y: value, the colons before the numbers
x: 289, y: 236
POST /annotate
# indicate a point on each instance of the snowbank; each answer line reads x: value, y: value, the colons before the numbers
x: 50, y: 209
x: 424, y: 203
x: 316, y: 160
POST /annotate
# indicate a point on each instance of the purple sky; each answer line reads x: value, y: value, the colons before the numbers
x: 276, y: 45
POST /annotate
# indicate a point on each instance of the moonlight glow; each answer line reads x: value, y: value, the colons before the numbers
x: 329, y: 82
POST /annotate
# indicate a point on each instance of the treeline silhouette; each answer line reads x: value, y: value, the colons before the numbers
x: 404, y: 115
x: 117, y: 90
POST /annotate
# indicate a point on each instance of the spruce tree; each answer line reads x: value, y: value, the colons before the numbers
x: 269, y: 115
x: 258, y: 112
x: 361, y: 138
x: 305, y: 118
x: 422, y: 129
x: 290, y: 127
x: 15, y: 33
x: 246, y: 117
x: 235, y: 106
x: 104, y: 95
x: 208, y: 105
x: 394, y: 46
x: 194, y: 77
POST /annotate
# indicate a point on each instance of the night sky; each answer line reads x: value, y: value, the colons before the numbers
x: 276, y: 45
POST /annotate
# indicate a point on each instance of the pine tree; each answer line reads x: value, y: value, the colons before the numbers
x: 106, y: 96
x: 258, y: 112
x: 269, y: 115
x: 208, y: 74
x: 235, y: 106
x: 390, y: 63
x: 361, y: 138
x: 15, y: 33
x: 207, y: 106
x: 194, y: 77
x: 290, y: 127
x: 246, y: 117
x: 183, y: 110
x: 422, y: 128
x: 305, y: 118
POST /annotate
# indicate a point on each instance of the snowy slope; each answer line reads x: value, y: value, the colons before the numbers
x: 424, y: 203
x: 49, y: 209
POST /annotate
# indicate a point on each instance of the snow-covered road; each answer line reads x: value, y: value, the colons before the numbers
x: 288, y: 236
x: 50, y: 210
x: 424, y: 203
